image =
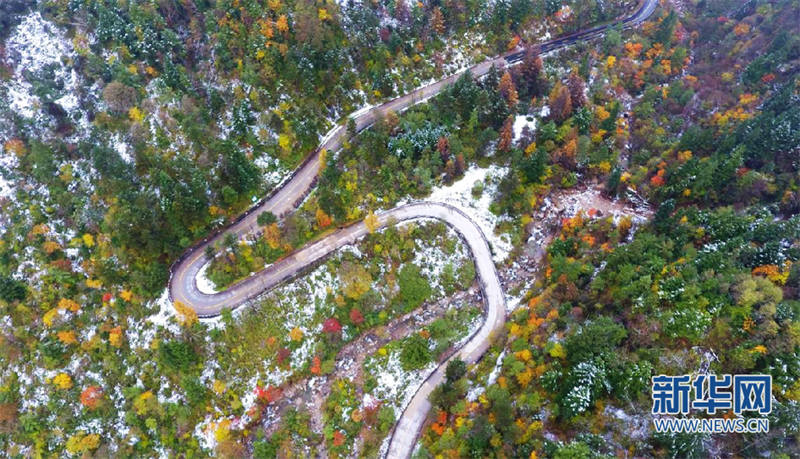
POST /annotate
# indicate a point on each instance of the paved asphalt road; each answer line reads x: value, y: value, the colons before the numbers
x: 183, y: 283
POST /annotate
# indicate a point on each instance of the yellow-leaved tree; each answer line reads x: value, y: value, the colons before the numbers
x: 272, y: 234
x: 371, y: 221
x: 115, y: 336
x: 356, y: 281
x: 68, y: 305
x: 186, y: 315
x: 82, y: 442
x: 62, y: 381
x: 296, y: 334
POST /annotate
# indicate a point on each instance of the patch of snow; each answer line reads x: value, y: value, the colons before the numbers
x: 122, y: 149
x: 432, y: 260
x: 20, y: 99
x: 513, y: 302
x: 204, y: 284
x: 475, y: 392
x: 369, y: 402
x: 521, y: 122
x: 496, y: 370
x: 303, y: 354
x: 274, y: 172
x: 204, y: 431
x: 166, y: 394
x: 396, y: 386
x: 544, y: 112
x: 459, y: 195
x: 314, y: 289
x: 165, y: 317
x: 636, y: 426
x: 8, y: 162
x: 34, y: 44
x: 68, y: 102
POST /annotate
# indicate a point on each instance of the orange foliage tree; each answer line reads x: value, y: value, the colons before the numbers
x: 437, y: 21
x: 316, y: 365
x: 506, y: 135
x: 272, y: 234
x: 323, y: 219
x: 560, y: 103
x: 508, y: 90
x: 91, y: 397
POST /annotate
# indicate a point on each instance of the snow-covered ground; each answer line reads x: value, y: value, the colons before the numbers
x: 570, y: 204
x: 395, y: 385
x: 478, y: 389
x: 303, y: 302
x: 7, y: 164
x: 274, y: 172
x: 204, y: 284
x: 521, y: 122
x: 432, y: 261
x: 459, y: 195
x: 35, y: 44
x: 315, y: 286
x: 122, y: 148
x: 513, y: 302
x: 165, y: 317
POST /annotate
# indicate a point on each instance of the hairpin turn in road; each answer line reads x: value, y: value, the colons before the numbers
x: 183, y: 279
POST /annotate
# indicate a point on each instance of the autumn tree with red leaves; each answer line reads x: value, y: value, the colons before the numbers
x: 356, y: 317
x: 576, y: 88
x: 331, y: 326
x: 338, y: 438
x: 283, y: 354
x: 658, y: 180
x: 323, y: 219
x: 461, y: 164
x: 268, y: 395
x: 443, y: 147
x: 530, y: 69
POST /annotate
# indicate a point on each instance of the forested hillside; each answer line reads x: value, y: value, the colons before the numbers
x: 705, y: 126
x: 131, y: 130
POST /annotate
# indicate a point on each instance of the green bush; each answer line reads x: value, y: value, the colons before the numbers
x: 415, y: 353
x: 594, y: 338
x: 414, y: 288
x: 266, y: 218
x: 178, y: 355
x: 12, y: 290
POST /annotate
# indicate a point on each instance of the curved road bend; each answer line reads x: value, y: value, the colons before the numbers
x: 183, y: 282
x: 183, y: 285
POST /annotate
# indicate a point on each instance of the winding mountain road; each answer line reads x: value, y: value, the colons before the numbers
x: 183, y: 280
